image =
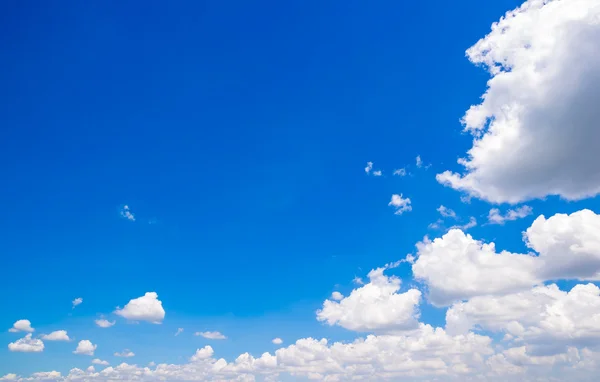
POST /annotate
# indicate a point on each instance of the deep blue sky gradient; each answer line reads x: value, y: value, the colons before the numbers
x: 237, y: 132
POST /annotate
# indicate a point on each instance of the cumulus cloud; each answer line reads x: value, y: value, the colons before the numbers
x: 27, y: 345
x: 125, y: 354
x: 97, y: 361
x: 85, y: 347
x: 202, y: 354
x: 58, y: 335
x: 211, y: 335
x: 376, y: 306
x: 277, y: 341
x: 419, y: 161
x: 377, y: 173
x: 544, y: 317
x: 400, y: 204
x: 457, y: 267
x: 103, y: 323
x: 337, y: 296
x: 9, y: 377
x: 77, y: 301
x: 545, y: 68
x: 127, y: 214
x: 495, y: 217
x: 146, y: 308
x: 369, y: 167
x: 22, y: 326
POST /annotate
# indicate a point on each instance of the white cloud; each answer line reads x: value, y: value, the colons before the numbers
x: 77, y: 301
x: 202, y: 354
x: 85, y: 347
x: 97, y: 361
x: 127, y: 214
x: 9, y: 377
x: 103, y: 323
x: 545, y: 317
x: 179, y: 331
x: 457, y: 267
x: 495, y: 217
x: 46, y: 375
x: 568, y: 245
x: 57, y: 335
x: 470, y: 224
x: 22, y: 326
x: 146, y: 308
x: 337, y: 296
x: 277, y: 341
x: 419, y: 161
x: 211, y: 335
x: 358, y: 281
x: 376, y: 306
x: 400, y: 204
x: 400, y: 172
x: 377, y: 173
x: 369, y: 167
x: 125, y: 354
x: 27, y: 345
x: 539, y: 113
x: 90, y: 369
x: 446, y: 212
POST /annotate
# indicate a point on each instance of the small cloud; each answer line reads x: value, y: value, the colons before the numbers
x: 472, y: 223
x: 146, y: 308
x: 27, y: 345
x: 91, y: 369
x: 400, y: 204
x: 211, y: 335
x: 202, y: 354
x: 77, y: 301
x: 9, y: 377
x: 85, y: 347
x: 436, y: 225
x: 446, y: 212
x: 337, y: 296
x: 22, y: 326
x: 358, y: 281
x: 377, y: 173
x: 151, y: 364
x: 369, y: 167
x: 98, y: 361
x: 101, y: 322
x: 419, y: 161
x: 495, y: 217
x: 400, y: 172
x: 127, y: 214
x: 125, y: 353
x: 58, y: 335
x: 179, y: 331
x: 277, y: 341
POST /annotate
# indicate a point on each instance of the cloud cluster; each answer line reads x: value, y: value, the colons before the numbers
x: 457, y: 267
x: 539, y: 113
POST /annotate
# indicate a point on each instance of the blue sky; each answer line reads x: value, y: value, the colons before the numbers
x: 237, y: 135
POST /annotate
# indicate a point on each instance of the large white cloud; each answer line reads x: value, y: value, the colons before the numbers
x: 146, y: 308
x: 545, y: 318
x: 537, y: 128
x: 457, y: 267
x: 375, y: 306
x: 27, y: 345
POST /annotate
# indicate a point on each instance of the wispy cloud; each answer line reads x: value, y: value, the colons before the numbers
x: 400, y: 204
x: 127, y: 214
x: 495, y: 217
x: 211, y: 335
